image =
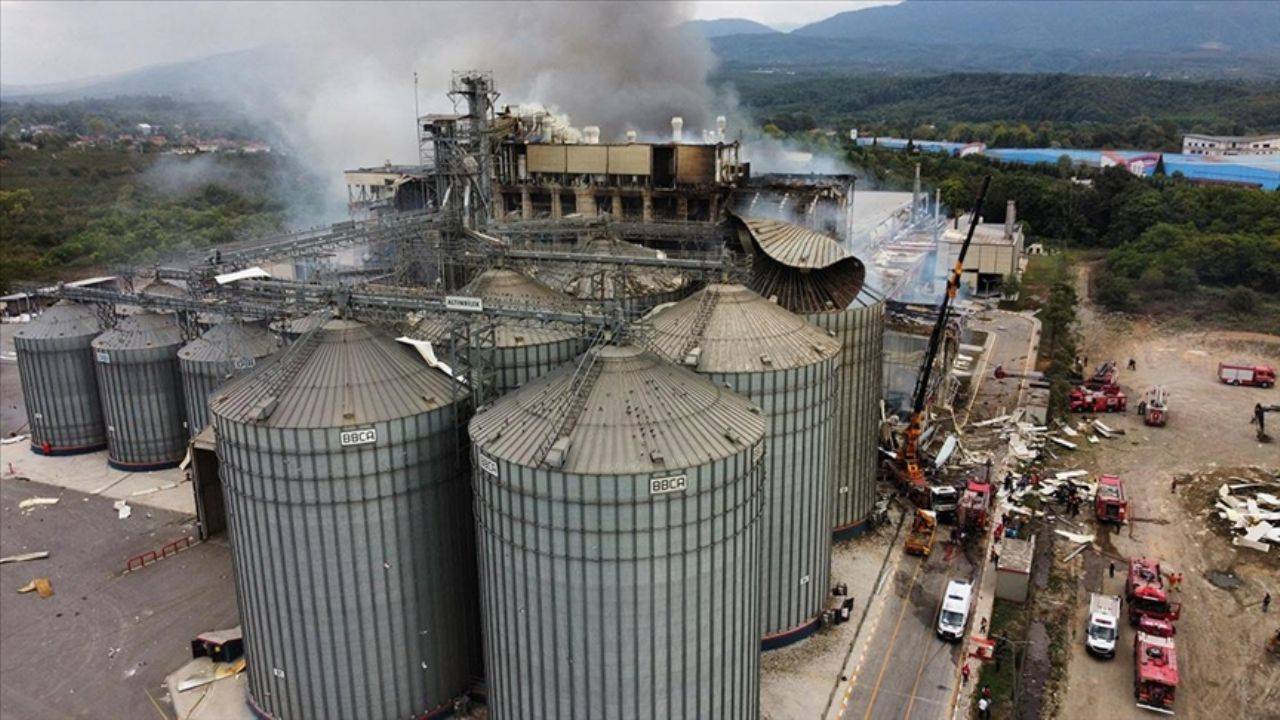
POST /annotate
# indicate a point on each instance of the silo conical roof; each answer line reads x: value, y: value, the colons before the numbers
x: 349, y: 373
x: 141, y: 331
x: 500, y: 287
x: 162, y: 288
x: 64, y: 319
x: 639, y: 414
x: 230, y: 341
x: 727, y: 328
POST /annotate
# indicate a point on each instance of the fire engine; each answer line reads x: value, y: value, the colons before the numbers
x: 1103, y: 377
x: 1109, y: 502
x: 1154, y: 407
x: 1155, y: 672
x: 1145, y: 594
x: 975, y: 504
x: 1108, y: 399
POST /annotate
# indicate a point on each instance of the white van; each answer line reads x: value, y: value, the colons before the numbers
x: 1100, y: 635
x: 954, y: 615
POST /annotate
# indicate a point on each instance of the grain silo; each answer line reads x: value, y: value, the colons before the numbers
x: 225, y: 350
x: 637, y: 289
x: 522, y: 349
x: 810, y: 274
x: 787, y: 367
x: 163, y: 289
x: 349, y: 514
x: 141, y: 390
x: 617, y: 505
x: 59, y: 387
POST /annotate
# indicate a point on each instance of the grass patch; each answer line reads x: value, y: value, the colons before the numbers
x: 1008, y: 620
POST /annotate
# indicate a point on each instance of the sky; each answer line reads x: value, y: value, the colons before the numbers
x: 46, y: 42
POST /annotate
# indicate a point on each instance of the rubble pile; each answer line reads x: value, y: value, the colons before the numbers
x: 1251, y: 509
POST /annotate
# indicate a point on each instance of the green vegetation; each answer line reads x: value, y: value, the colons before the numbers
x: 1008, y: 628
x: 62, y: 213
x: 1010, y: 110
x: 170, y: 117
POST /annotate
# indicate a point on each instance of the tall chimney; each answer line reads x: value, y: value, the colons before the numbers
x: 1010, y: 218
x: 677, y: 129
x: 915, y: 194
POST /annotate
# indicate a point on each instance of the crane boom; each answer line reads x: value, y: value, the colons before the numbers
x: 910, y: 456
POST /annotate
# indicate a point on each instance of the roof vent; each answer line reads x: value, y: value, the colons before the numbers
x: 768, y: 361
x: 656, y: 457
x: 262, y: 409
x: 692, y: 357
x: 732, y: 436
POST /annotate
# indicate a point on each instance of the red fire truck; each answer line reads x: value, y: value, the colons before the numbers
x: 1145, y: 594
x: 1109, y: 502
x: 1154, y: 407
x: 1259, y: 375
x: 1108, y: 399
x: 1103, y: 377
x: 975, y: 504
x: 1155, y: 672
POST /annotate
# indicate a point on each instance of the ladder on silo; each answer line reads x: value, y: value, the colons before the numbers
x: 701, y: 316
x: 584, y: 376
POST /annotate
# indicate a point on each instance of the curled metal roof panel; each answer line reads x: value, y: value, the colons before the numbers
x: 794, y: 245
x: 229, y: 341
x: 63, y: 319
x: 144, y: 330
x: 347, y: 373
x: 639, y: 414
x: 728, y: 328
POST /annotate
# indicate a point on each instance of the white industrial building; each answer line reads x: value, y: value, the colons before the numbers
x: 1230, y: 145
x: 996, y: 251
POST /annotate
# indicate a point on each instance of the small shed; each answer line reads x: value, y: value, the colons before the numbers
x: 1013, y: 571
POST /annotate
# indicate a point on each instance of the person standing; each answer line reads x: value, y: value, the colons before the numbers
x: 984, y: 708
x: 1112, y: 568
x: 1266, y: 602
x: 964, y: 674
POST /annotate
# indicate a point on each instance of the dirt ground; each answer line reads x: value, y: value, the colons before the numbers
x: 1225, y: 671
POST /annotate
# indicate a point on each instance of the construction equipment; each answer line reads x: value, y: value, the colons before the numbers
x: 920, y: 538
x: 1154, y: 407
x: 944, y: 500
x: 908, y: 468
x: 1110, y: 503
x: 1260, y: 419
x: 1155, y: 672
x: 1089, y: 400
x: 1254, y: 375
x: 1145, y: 593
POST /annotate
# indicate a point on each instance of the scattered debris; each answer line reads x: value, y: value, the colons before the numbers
x: 13, y: 440
x: 220, y: 671
x: 24, y: 557
x: 31, y: 503
x: 122, y: 509
x: 1064, y: 443
x: 1076, y: 538
x: 156, y: 489
x: 1252, y: 512
x: 41, y: 586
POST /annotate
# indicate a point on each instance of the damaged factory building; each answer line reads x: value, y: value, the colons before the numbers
x: 573, y: 428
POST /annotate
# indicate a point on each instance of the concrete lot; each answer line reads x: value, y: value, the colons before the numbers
x: 102, y: 645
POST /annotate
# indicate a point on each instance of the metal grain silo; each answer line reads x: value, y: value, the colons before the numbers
x: 618, y: 506
x: 636, y: 289
x: 812, y: 275
x: 522, y: 349
x: 349, y: 515
x: 787, y: 367
x: 55, y: 363
x: 224, y: 351
x: 141, y: 390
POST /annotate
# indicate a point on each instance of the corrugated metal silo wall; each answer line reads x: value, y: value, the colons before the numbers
x: 517, y: 365
x: 860, y: 331
x: 141, y: 391
x: 799, y: 404
x: 355, y: 566
x: 199, y: 381
x: 603, y: 601
x: 60, y: 390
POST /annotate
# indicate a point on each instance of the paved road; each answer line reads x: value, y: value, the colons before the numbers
x: 908, y: 672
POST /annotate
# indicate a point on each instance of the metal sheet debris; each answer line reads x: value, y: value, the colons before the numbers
x: 122, y: 509
x: 1075, y: 537
x: 31, y: 503
x: 24, y: 557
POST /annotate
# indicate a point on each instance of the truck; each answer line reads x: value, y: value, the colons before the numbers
x: 1254, y: 375
x: 1104, y: 625
x: 943, y: 500
x: 1088, y: 400
x: 920, y: 538
x: 1109, y: 501
x: 1155, y: 672
x: 1154, y: 407
x: 1103, y: 377
x: 1145, y: 593
x: 975, y: 505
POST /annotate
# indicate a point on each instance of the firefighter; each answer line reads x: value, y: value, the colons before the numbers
x: 1133, y: 364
